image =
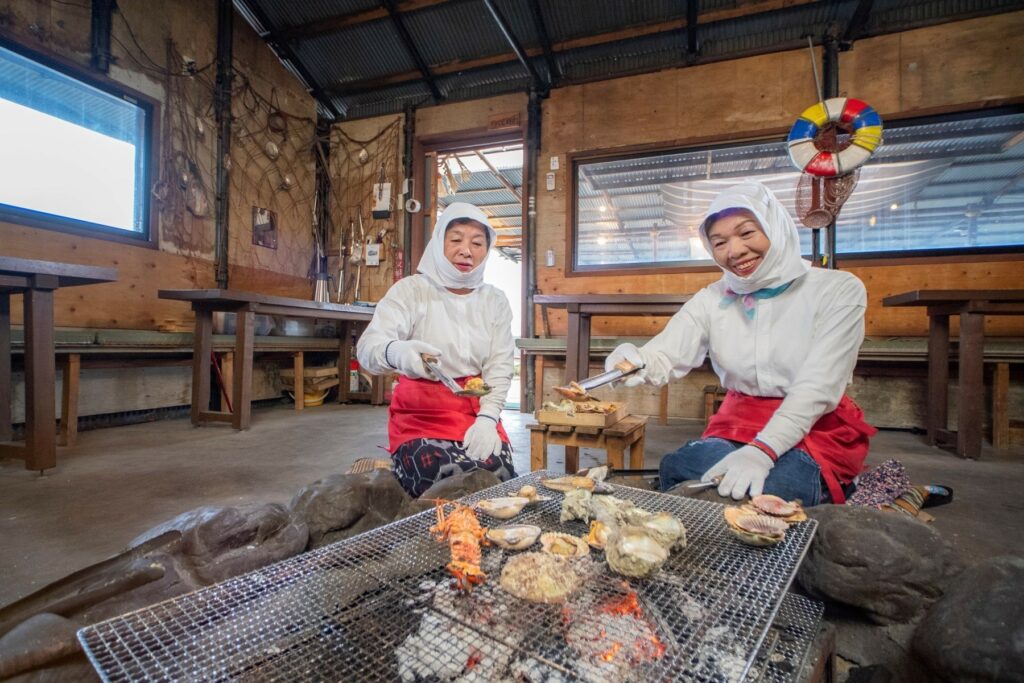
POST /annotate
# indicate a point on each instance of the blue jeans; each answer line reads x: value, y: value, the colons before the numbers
x: 795, y: 475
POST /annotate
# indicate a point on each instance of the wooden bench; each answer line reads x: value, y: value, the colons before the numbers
x: 629, y: 432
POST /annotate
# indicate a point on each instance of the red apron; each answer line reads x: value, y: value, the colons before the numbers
x: 423, y: 409
x: 838, y: 441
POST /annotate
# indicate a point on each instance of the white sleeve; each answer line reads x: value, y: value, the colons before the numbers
x: 681, y: 346
x: 821, y: 382
x: 392, y: 320
x: 498, y: 367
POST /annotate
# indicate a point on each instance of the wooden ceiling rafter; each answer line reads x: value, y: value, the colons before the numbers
x: 359, y: 87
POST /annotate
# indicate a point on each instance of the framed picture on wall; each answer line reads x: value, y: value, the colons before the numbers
x: 264, y: 227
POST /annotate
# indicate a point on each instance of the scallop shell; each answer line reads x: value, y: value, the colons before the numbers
x: 564, y: 545
x: 773, y: 505
x: 539, y: 577
x: 568, y: 483
x: 514, y: 536
x: 632, y: 552
x: 753, y: 529
x: 502, y: 508
x: 598, y: 536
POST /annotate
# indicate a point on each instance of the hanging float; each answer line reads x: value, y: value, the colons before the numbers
x: 848, y: 114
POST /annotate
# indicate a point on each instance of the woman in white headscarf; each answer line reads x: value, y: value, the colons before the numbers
x: 448, y: 312
x: 783, y: 339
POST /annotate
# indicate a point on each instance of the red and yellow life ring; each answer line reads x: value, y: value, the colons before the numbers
x: 863, y: 121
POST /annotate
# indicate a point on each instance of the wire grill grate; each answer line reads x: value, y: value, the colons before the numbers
x: 378, y: 607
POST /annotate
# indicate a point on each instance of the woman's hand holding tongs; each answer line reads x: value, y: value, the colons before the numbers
x: 630, y: 354
x: 407, y: 358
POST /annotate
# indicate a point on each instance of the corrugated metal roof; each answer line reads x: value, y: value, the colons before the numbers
x: 453, y: 31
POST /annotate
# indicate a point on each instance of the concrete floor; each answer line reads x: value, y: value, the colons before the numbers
x: 117, y: 483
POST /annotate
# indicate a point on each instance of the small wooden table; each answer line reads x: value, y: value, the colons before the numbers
x: 246, y: 305
x: 629, y: 432
x: 972, y: 305
x: 36, y: 280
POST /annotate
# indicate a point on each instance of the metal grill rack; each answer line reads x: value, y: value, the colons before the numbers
x: 379, y: 607
x: 785, y: 648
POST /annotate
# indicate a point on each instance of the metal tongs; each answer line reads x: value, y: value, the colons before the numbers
x: 431, y: 364
x: 580, y: 391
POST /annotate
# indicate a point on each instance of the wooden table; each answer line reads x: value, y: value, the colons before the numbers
x: 582, y: 307
x: 36, y: 280
x: 972, y: 305
x: 246, y: 305
x: 627, y: 433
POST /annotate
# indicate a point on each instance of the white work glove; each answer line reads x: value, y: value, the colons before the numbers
x: 405, y: 356
x: 745, y: 468
x: 481, y: 440
x: 627, y: 352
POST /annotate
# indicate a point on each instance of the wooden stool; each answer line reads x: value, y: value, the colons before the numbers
x: 713, y: 397
x: 626, y: 433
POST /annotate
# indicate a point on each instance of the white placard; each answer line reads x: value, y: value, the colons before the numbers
x: 554, y: 163
x: 373, y: 254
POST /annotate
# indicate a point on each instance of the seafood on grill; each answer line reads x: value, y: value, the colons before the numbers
x: 632, y: 551
x: 565, y: 545
x: 503, y: 508
x: 661, y: 526
x: 540, y: 577
x: 568, y: 483
x: 753, y: 528
x: 475, y: 385
x: 574, y: 392
x: 514, y: 536
x: 576, y: 505
x: 571, y: 408
x: 609, y: 509
x: 464, y: 534
x: 789, y: 510
x: 598, y: 536
x: 530, y: 493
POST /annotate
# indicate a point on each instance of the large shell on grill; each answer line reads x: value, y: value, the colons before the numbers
x: 503, y: 508
x: 514, y: 536
x: 631, y: 551
x: 565, y: 545
x: 598, y: 536
x: 569, y: 483
x: 539, y: 577
x: 609, y: 509
x: 790, y: 510
x: 755, y: 529
x: 662, y: 527
x: 576, y: 505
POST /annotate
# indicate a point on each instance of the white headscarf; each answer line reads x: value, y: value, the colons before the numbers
x: 783, y: 262
x: 439, y: 269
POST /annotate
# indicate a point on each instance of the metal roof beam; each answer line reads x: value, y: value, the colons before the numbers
x: 410, y: 46
x: 462, y: 66
x: 858, y: 22
x: 692, y: 49
x: 540, y: 26
x: 538, y: 84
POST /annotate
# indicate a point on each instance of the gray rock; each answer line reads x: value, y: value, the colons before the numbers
x: 35, y: 642
x: 220, y: 542
x: 877, y: 650
x: 74, y: 669
x: 343, y: 505
x: 976, y: 631
x: 887, y: 564
x: 451, y: 488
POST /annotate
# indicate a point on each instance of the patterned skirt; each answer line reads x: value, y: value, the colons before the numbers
x: 420, y: 463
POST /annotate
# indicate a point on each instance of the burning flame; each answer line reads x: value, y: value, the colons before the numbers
x: 645, y: 648
x: 474, y: 658
x: 609, y: 655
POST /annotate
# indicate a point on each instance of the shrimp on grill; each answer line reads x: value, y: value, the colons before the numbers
x: 464, y: 534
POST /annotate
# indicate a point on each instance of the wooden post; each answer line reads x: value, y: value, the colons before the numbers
x: 938, y: 374
x: 6, y: 385
x: 616, y: 452
x: 298, y: 362
x: 538, y: 450
x: 663, y: 406
x: 227, y: 373
x: 344, y: 359
x: 241, y: 397
x: 636, y: 451
x: 201, y: 344
x: 69, y: 400
x: 40, y: 380
x: 970, y: 404
x: 572, y: 344
x: 1000, y: 406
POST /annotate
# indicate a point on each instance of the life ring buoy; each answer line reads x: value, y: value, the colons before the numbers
x: 866, y: 127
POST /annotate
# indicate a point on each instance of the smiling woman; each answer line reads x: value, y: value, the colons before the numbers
x: 738, y: 244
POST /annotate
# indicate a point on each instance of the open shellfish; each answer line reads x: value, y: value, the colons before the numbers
x: 631, y: 551
x: 576, y: 505
x: 568, y: 483
x: 755, y: 529
x: 598, y: 536
x: 661, y: 526
x: 789, y: 510
x: 502, y: 508
x: 514, y: 536
x: 565, y: 545
x: 539, y: 577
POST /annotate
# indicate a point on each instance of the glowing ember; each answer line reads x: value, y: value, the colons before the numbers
x: 616, y: 632
x: 474, y: 659
x: 610, y: 654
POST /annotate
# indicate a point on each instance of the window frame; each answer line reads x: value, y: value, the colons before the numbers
x: 875, y: 258
x: 72, y: 226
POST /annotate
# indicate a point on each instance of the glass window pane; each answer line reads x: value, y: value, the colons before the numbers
x: 951, y: 184
x: 71, y: 151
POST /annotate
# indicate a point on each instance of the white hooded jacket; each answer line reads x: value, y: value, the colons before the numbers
x: 800, y: 345
x: 472, y: 331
